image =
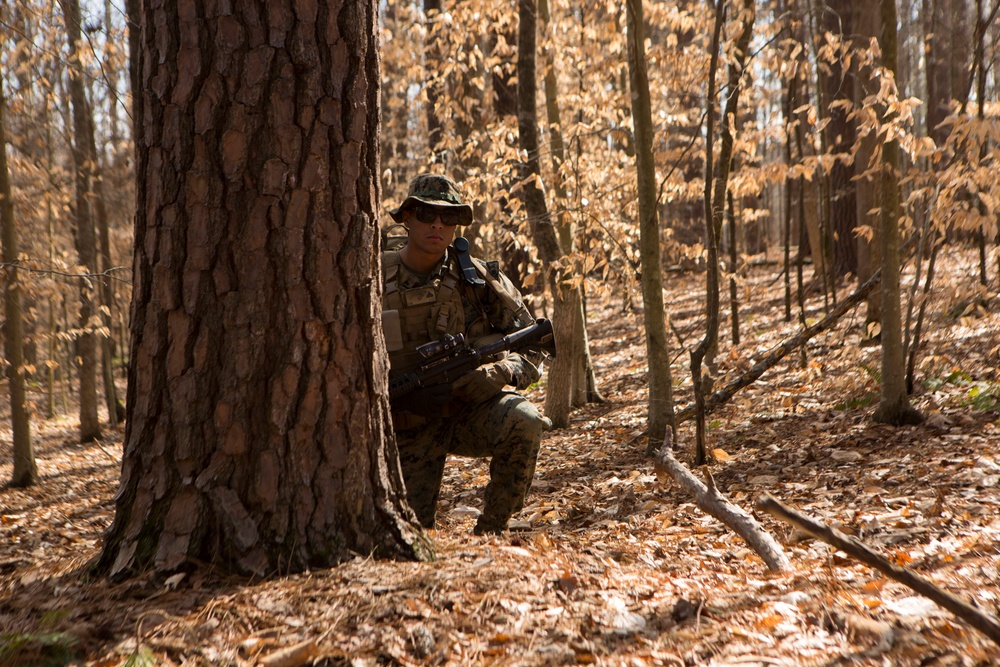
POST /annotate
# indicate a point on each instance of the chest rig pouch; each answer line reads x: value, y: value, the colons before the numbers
x: 417, y: 315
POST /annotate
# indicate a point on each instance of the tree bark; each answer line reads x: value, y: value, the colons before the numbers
x: 716, y: 185
x: 894, y: 406
x: 432, y: 56
x: 258, y: 435
x: 838, y: 86
x: 867, y: 16
x: 936, y: 68
x: 734, y: 299
x: 657, y: 354
x: 979, y: 65
x: 583, y: 387
x: 86, y: 247
x: 116, y: 411
x: 25, y: 471
x: 565, y: 295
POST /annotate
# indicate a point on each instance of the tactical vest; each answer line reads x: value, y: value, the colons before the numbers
x: 413, y: 317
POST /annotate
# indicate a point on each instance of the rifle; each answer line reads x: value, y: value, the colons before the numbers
x: 449, y: 358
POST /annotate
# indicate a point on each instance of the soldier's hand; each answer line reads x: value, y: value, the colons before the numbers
x: 483, y: 383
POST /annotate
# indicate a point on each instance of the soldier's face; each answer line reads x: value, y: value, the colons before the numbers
x: 432, y: 237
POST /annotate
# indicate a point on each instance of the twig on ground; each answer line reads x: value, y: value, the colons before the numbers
x: 781, y: 350
x: 292, y: 656
x: 981, y: 621
x: 712, y: 502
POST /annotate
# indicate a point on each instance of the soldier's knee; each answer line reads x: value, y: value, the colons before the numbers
x: 525, y: 418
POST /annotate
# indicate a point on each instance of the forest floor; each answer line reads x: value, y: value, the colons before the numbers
x: 606, y: 564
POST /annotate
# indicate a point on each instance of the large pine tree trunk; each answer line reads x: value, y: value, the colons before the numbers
x: 25, y: 470
x: 258, y: 432
x: 86, y: 245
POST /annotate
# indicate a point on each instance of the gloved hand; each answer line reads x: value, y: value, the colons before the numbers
x: 483, y: 383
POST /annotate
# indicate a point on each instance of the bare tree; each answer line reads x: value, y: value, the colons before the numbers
x: 658, y: 358
x: 716, y: 185
x: 25, y: 470
x: 86, y: 247
x: 894, y: 406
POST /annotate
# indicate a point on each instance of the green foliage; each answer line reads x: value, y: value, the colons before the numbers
x: 141, y: 657
x: 872, y: 372
x: 956, y: 377
x: 979, y: 395
x: 50, y: 620
x: 984, y: 396
x: 857, y: 402
x: 47, y: 649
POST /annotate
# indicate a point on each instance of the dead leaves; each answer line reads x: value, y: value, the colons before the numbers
x: 607, y: 565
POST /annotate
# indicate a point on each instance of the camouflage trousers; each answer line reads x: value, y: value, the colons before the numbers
x: 507, y: 428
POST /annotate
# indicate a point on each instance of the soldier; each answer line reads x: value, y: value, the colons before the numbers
x: 432, y: 289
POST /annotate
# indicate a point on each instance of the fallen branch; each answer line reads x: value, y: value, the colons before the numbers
x: 981, y: 621
x: 712, y: 502
x: 292, y: 656
x: 780, y: 351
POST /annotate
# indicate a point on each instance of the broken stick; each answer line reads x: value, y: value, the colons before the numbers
x: 712, y: 502
x: 980, y: 620
x: 780, y: 351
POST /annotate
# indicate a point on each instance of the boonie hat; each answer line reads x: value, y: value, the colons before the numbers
x: 434, y: 190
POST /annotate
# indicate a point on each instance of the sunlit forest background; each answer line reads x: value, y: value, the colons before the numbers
x: 817, y: 103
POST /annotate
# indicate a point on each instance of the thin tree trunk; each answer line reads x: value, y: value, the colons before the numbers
x: 800, y: 258
x: 90, y: 426
x: 113, y: 58
x: 914, y: 347
x: 433, y: 63
x: 979, y: 64
x: 116, y: 411
x: 714, y: 212
x: 787, y: 185
x: 894, y: 407
x: 559, y: 390
x: 583, y: 387
x: 734, y: 301
x: 53, y: 344
x: 657, y: 355
x: 712, y: 273
x: 25, y: 471
x: 867, y: 26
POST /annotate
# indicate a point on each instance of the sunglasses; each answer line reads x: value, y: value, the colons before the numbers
x: 428, y: 214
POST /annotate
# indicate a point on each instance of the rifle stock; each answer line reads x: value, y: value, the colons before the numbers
x: 450, y: 358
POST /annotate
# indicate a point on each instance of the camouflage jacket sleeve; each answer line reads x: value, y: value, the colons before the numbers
x: 505, y: 321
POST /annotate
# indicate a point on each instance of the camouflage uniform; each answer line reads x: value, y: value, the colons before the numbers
x: 446, y: 420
